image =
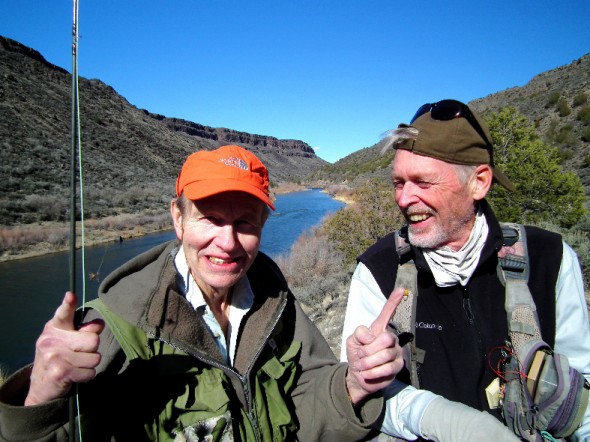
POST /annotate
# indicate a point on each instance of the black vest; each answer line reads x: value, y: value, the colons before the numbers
x: 463, y: 328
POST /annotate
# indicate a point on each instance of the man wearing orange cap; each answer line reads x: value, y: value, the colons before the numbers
x: 201, y: 338
x: 448, y: 253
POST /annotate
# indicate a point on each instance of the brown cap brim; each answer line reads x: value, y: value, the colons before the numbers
x: 454, y: 141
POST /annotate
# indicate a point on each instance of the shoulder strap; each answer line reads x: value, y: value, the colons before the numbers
x: 132, y: 339
x: 513, y: 270
x: 407, y: 277
x: 404, y: 319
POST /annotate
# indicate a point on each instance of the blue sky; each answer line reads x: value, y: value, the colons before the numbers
x: 335, y: 74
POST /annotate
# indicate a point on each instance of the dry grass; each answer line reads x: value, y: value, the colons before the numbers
x: 34, y: 240
x: 319, y: 279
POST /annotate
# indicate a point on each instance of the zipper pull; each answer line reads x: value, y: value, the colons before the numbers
x: 467, y: 308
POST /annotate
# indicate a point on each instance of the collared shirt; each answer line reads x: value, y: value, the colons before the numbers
x: 242, y: 299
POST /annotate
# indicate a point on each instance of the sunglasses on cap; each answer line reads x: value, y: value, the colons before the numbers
x: 446, y: 110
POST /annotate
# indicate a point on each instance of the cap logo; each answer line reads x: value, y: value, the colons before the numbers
x: 234, y: 162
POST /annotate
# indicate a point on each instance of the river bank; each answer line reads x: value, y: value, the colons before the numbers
x: 28, y: 241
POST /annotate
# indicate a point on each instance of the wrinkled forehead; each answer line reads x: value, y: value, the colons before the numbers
x: 405, y: 159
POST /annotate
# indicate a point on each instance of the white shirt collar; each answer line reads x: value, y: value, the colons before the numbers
x: 241, y: 300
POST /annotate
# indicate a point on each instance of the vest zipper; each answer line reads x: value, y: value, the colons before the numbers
x: 244, y: 380
x: 229, y: 371
x: 468, y: 308
x: 246, y: 385
x: 471, y: 317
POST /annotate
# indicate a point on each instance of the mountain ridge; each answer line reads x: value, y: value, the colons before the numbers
x: 130, y: 156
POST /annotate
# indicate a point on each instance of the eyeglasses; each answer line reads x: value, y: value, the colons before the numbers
x: 446, y: 110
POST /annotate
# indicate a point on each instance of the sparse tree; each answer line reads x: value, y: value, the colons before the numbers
x: 544, y: 191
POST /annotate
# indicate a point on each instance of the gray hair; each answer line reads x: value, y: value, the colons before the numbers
x: 394, y: 137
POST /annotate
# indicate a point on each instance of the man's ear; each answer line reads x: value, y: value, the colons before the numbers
x: 176, y: 213
x: 481, y: 181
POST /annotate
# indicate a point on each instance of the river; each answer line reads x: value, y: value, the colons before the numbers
x: 31, y: 289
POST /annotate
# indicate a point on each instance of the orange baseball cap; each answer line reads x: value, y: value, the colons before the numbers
x: 228, y: 168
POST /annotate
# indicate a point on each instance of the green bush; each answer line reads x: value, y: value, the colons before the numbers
x: 566, y: 135
x: 551, y: 131
x: 586, y: 134
x: 552, y: 99
x: 373, y: 215
x: 564, y: 155
x: 563, y: 108
x: 584, y: 115
x: 580, y: 99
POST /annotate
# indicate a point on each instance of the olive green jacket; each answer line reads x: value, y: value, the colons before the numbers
x: 162, y: 377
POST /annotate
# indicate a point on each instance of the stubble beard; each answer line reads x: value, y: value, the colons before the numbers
x: 439, y: 236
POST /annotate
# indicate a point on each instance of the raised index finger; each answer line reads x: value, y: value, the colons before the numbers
x: 64, y: 315
x: 388, y: 310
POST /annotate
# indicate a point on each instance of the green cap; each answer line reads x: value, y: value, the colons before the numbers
x: 454, y: 141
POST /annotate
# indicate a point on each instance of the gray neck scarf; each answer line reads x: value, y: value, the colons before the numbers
x: 450, y: 267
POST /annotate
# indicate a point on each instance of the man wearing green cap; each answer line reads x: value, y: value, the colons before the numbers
x: 442, y: 172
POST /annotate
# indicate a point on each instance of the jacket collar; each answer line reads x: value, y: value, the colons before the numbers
x: 144, y: 292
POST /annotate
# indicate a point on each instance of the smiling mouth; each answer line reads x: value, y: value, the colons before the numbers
x: 220, y: 261
x: 418, y: 217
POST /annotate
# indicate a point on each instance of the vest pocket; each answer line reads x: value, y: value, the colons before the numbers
x: 272, y: 396
x: 202, y: 410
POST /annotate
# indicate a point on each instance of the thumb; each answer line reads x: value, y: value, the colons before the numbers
x: 64, y: 315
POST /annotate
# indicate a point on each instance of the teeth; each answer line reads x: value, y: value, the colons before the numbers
x: 418, y: 217
x: 217, y: 260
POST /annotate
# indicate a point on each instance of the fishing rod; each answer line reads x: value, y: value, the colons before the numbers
x: 75, y: 165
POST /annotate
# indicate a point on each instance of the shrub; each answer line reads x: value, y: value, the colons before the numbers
x: 586, y: 135
x: 551, y: 132
x: 577, y: 238
x: 584, y: 115
x: 580, y: 99
x: 565, y: 154
x: 552, y: 99
x: 565, y: 135
x: 309, y: 265
x: 373, y: 215
x: 563, y: 108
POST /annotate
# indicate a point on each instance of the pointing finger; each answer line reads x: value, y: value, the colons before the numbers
x: 380, y: 324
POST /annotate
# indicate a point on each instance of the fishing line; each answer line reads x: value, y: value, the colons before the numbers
x: 76, y: 153
x: 96, y: 275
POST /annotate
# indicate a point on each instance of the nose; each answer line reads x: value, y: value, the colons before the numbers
x: 405, y: 195
x: 227, y: 236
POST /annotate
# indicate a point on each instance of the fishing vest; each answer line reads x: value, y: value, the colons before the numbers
x: 539, y: 394
x: 200, y: 402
